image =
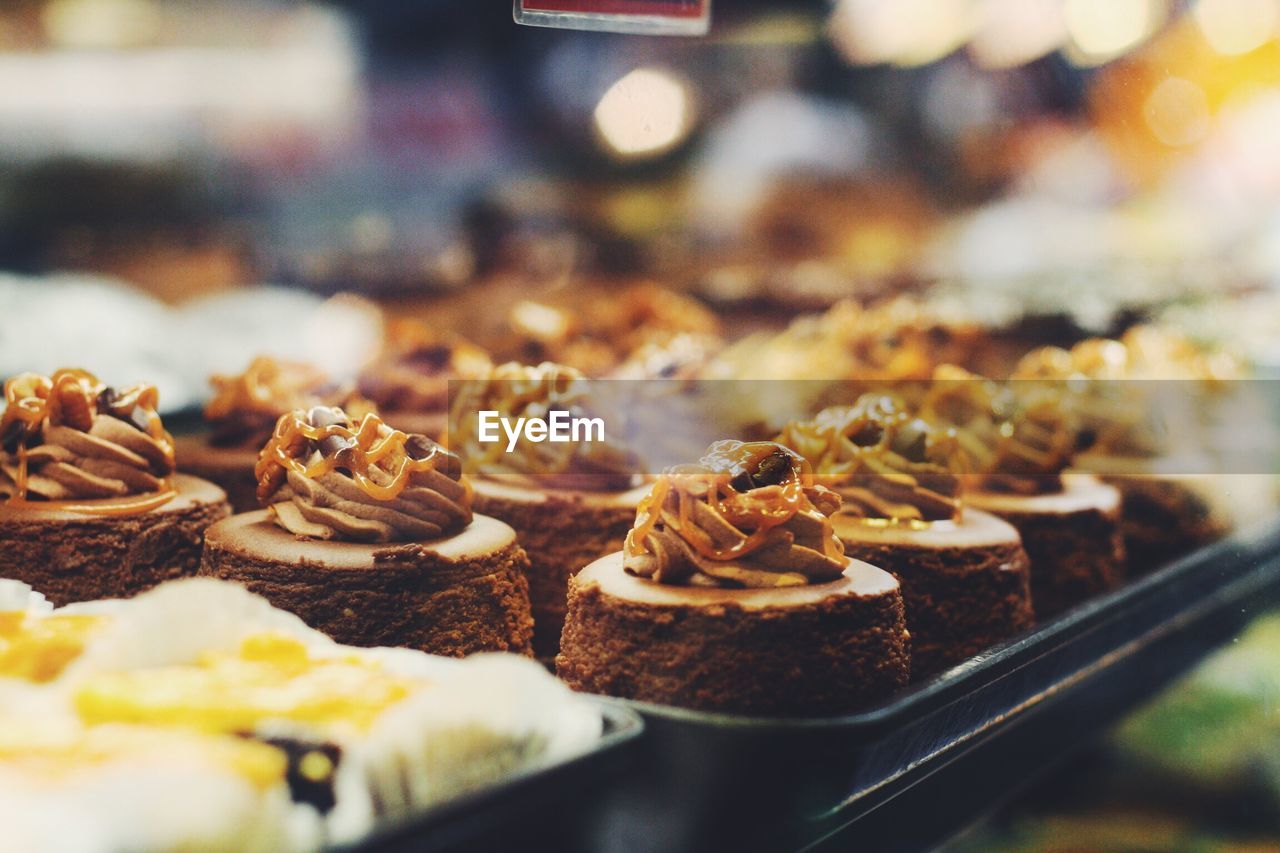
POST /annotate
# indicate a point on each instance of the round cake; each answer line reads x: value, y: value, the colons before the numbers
x: 964, y: 573
x: 570, y: 503
x: 368, y: 535
x: 1072, y: 536
x: 241, y: 415
x: 93, y: 508
x: 734, y: 595
x: 458, y: 595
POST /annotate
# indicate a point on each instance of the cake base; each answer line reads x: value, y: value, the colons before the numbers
x: 455, y: 596
x: 71, y: 556
x: 965, y: 584
x: 230, y: 468
x: 1073, y: 538
x: 561, y: 531
x: 796, y: 651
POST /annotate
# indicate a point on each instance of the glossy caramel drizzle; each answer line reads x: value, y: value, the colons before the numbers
x: 844, y: 441
x: 366, y: 446
x: 71, y: 397
x: 757, y: 510
x: 267, y: 385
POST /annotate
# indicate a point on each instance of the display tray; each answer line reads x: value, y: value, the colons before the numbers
x: 539, y: 808
x: 709, y: 781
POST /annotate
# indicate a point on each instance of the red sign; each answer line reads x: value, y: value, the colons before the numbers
x: 661, y: 8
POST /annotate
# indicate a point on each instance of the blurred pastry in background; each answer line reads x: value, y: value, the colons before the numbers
x: 569, y: 502
x: 1141, y: 402
x: 369, y: 536
x: 964, y: 573
x: 1020, y: 441
x: 604, y: 329
x: 409, y: 380
x: 242, y: 415
x: 93, y: 508
x: 734, y: 594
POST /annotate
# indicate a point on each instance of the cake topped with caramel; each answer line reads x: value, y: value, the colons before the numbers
x: 245, y: 406
x: 746, y: 515
x: 517, y: 391
x: 1017, y: 437
x: 70, y: 437
x: 418, y: 360
x: 324, y: 476
x: 888, y: 465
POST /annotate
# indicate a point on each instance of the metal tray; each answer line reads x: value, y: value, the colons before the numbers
x: 540, y: 808
x: 708, y: 781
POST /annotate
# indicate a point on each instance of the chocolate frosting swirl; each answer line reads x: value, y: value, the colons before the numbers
x: 747, y: 515
x: 245, y: 407
x: 1017, y: 438
x: 324, y: 477
x: 886, y: 464
x: 70, y: 437
x: 413, y: 372
x: 520, y: 391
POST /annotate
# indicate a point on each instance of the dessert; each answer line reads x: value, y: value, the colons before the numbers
x: 569, y: 502
x: 1141, y: 434
x: 368, y: 534
x: 734, y: 594
x: 242, y: 414
x: 92, y: 507
x: 964, y: 573
x: 409, y: 381
x: 198, y: 717
x: 1020, y: 441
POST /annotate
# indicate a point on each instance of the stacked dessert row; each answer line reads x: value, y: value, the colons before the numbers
x: 197, y: 717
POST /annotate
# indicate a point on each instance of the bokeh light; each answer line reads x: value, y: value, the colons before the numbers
x: 645, y: 114
x: 1102, y: 30
x: 1233, y: 27
x: 1177, y: 112
x: 902, y: 32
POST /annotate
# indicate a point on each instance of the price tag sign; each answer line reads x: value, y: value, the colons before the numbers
x: 644, y: 17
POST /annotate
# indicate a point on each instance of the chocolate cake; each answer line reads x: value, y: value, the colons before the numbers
x: 93, y: 508
x: 1072, y: 536
x: 964, y: 573
x: 733, y: 594
x: 569, y: 503
x: 242, y: 414
x: 1022, y: 439
x: 368, y: 535
x: 1140, y: 433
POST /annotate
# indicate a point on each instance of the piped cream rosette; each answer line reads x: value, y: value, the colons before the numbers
x: 281, y: 734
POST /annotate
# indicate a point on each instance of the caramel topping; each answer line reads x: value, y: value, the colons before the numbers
x: 748, y: 514
x: 1017, y: 438
x: 885, y: 463
x: 244, y: 407
x: 56, y: 424
x: 357, y: 450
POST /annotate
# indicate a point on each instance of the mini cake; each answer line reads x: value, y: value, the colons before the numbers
x: 93, y: 508
x: 409, y: 381
x: 964, y: 573
x: 369, y: 536
x: 569, y: 503
x: 1021, y: 441
x: 242, y: 414
x: 1166, y: 510
x: 733, y: 594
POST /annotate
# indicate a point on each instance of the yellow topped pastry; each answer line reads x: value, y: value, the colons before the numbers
x: 38, y: 648
x: 271, y: 677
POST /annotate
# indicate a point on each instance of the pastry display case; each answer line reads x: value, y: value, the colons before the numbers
x: 638, y: 425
